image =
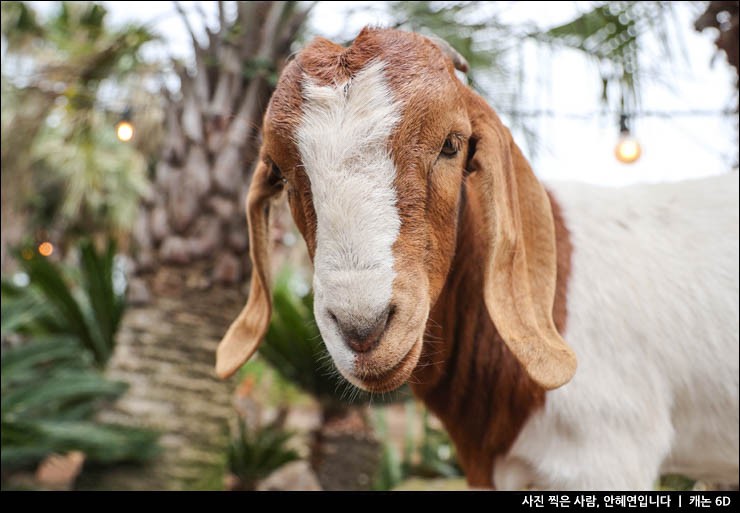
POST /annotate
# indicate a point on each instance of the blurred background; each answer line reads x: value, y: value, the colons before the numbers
x: 129, y: 134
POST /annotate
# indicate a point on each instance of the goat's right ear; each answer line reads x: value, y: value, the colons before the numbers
x: 520, y: 266
x: 246, y: 332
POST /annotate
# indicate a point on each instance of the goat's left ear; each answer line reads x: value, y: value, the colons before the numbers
x: 520, y: 268
x: 246, y: 332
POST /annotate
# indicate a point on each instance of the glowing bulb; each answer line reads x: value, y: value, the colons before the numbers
x: 627, y: 149
x: 124, y: 131
x: 46, y: 249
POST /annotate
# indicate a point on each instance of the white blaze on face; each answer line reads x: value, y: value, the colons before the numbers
x: 343, y: 141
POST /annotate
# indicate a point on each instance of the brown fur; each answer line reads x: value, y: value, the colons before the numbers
x: 479, y: 241
x: 467, y: 375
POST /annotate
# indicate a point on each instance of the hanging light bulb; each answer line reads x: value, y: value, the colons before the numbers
x: 627, y: 150
x: 124, y: 127
x: 46, y: 249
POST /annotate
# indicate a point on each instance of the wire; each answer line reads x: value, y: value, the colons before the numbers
x: 640, y: 114
x: 119, y: 106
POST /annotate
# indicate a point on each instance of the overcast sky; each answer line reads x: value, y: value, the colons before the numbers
x: 570, y: 147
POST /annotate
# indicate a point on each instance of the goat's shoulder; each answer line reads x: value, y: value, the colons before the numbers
x: 653, y: 317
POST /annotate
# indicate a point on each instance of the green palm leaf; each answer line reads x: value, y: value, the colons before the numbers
x: 97, y: 276
x: 255, y: 455
x: 48, y: 278
x: 26, y: 442
x: 51, y: 388
x: 57, y: 392
x: 22, y: 363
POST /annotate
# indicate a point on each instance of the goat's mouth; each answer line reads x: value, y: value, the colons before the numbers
x: 389, y: 379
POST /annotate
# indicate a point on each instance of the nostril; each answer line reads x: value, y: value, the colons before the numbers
x: 333, y: 317
x: 378, y: 327
x: 390, y: 314
x: 362, y: 335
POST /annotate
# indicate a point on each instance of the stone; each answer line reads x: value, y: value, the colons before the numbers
x: 294, y: 476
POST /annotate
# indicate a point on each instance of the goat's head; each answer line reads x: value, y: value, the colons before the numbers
x: 373, y: 144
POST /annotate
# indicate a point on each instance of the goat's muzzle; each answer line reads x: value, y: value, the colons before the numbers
x: 363, y: 336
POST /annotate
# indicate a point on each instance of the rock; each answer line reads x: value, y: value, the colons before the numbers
x: 294, y: 476
x: 137, y: 292
x: 158, y: 226
x: 59, y: 471
x: 223, y: 207
x: 174, y: 250
x: 437, y: 485
x: 227, y: 269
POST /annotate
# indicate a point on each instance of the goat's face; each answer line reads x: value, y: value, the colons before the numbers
x: 371, y: 143
x: 373, y: 161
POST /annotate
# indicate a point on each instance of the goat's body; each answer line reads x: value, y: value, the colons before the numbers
x: 653, y: 317
x: 440, y: 261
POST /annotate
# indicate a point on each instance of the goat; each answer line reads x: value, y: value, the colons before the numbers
x: 441, y: 260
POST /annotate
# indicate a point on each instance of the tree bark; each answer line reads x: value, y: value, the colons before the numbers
x: 346, y: 452
x: 190, y: 250
x: 165, y: 352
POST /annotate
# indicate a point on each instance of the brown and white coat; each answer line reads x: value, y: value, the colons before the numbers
x: 440, y: 259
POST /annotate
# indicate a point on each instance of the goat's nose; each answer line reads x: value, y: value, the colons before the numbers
x: 362, y: 336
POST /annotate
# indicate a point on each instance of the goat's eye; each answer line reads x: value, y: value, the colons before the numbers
x: 450, y: 147
x: 275, y: 174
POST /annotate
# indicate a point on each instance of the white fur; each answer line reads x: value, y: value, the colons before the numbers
x: 653, y: 318
x: 343, y: 141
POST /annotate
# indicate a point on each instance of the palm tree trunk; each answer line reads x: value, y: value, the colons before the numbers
x: 346, y: 452
x: 165, y: 352
x: 191, y: 248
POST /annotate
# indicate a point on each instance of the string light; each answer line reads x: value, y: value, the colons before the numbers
x: 46, y: 249
x: 124, y: 127
x: 627, y: 150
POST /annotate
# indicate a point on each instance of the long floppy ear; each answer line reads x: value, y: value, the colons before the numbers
x: 520, y: 273
x: 246, y: 332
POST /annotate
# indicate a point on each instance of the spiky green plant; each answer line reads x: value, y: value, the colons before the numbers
x: 431, y: 455
x: 437, y: 455
x: 256, y: 453
x: 80, y: 302
x: 58, y: 332
x: 49, y: 398
x: 390, y: 468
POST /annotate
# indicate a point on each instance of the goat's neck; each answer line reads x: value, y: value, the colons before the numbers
x: 466, y: 375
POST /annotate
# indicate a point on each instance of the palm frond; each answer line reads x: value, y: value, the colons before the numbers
x: 61, y: 333
x: 253, y: 455
x: 106, y: 305
x: 49, y: 279
x: 613, y: 34
x: 59, y: 390
x: 20, y: 364
x: 27, y: 442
